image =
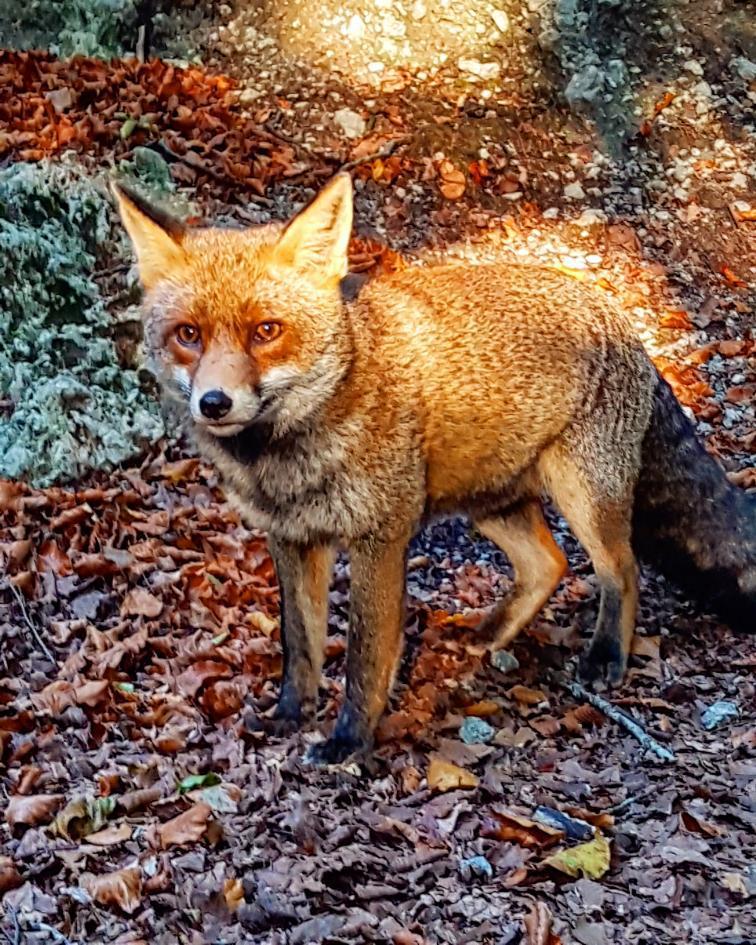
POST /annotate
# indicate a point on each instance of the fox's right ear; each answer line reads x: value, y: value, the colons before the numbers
x: 156, y: 236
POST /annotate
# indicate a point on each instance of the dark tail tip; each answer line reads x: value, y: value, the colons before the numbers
x: 690, y: 521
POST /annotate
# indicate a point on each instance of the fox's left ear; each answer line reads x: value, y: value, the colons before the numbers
x: 317, y: 239
x: 156, y: 236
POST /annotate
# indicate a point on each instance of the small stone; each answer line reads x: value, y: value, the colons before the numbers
x: 739, y: 182
x: 482, y: 70
x: 744, y: 68
x: 352, y: 124
x: 419, y: 10
x: 574, y: 191
x: 717, y: 713
x: 505, y: 661
x: 694, y: 67
x: 476, y: 867
x: 356, y: 27
x: 591, y: 217
x: 475, y: 731
x: 501, y: 20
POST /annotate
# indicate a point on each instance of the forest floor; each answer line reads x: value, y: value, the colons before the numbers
x: 139, y: 617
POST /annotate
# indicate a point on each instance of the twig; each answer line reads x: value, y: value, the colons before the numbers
x: 58, y: 937
x: 386, y: 152
x: 14, y: 939
x: 202, y: 168
x: 616, y: 715
x: 30, y: 623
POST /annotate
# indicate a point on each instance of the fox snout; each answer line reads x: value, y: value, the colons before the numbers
x: 215, y: 404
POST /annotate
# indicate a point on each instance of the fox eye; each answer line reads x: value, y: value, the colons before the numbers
x: 267, y: 331
x: 187, y: 335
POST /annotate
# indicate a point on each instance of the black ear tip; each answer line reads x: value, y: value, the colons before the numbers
x: 163, y: 218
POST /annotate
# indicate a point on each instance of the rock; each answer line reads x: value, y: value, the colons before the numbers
x: 419, y: 10
x: 356, y: 27
x: 503, y: 660
x: 482, y: 70
x: 744, y: 68
x: 475, y: 731
x: 574, y: 191
x: 476, y: 867
x: 501, y: 20
x: 717, y: 713
x: 352, y: 124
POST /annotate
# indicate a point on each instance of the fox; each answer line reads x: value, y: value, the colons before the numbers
x: 455, y: 388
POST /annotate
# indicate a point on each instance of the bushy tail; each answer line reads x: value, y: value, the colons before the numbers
x: 689, y: 521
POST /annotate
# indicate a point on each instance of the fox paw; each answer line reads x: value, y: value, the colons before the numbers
x: 334, y: 750
x: 603, y: 662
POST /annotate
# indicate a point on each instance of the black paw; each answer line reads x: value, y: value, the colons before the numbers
x: 603, y: 662
x: 345, y: 741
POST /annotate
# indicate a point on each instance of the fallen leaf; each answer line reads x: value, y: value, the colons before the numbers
x: 32, y: 810
x: 141, y: 603
x: 233, y: 893
x: 193, y: 781
x: 83, y: 816
x: 445, y: 776
x: 524, y: 831
x: 538, y: 924
x: 187, y: 828
x: 10, y: 878
x: 92, y: 693
x: 590, y: 860
x: 483, y: 709
x: 110, y: 836
x: 527, y: 696
x: 122, y: 888
x: 453, y: 180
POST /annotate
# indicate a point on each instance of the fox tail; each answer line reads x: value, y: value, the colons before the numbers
x: 689, y: 521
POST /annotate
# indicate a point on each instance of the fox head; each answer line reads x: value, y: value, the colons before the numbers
x: 245, y: 326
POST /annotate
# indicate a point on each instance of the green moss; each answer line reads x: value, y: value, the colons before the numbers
x: 68, y: 405
x: 68, y: 27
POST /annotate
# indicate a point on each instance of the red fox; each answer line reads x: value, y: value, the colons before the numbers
x: 455, y: 388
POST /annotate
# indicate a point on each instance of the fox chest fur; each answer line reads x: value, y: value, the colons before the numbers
x: 319, y: 486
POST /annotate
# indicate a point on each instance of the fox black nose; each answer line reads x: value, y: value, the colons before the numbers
x: 215, y: 404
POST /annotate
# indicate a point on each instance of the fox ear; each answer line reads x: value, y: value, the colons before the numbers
x: 155, y: 234
x: 318, y: 237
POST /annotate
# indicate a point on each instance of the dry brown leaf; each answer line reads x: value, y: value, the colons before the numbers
x: 233, y: 893
x: 195, y: 677
x: 527, y: 696
x: 509, y: 825
x: 122, y: 888
x: 453, y: 182
x: 93, y: 692
x: 538, y: 924
x: 141, y: 603
x: 33, y: 809
x: 188, y: 827
x: 445, y: 776
x: 110, y: 836
x: 10, y: 878
x: 483, y: 709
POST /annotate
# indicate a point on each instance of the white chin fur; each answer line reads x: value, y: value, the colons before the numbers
x: 222, y: 429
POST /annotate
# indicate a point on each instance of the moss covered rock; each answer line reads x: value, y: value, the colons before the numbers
x: 67, y: 404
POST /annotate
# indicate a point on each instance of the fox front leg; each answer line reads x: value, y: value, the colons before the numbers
x: 304, y: 576
x: 376, y: 626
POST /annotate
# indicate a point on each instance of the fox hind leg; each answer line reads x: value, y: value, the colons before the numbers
x: 603, y: 526
x: 539, y: 565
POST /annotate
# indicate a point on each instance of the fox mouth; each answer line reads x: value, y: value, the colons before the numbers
x: 229, y: 428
